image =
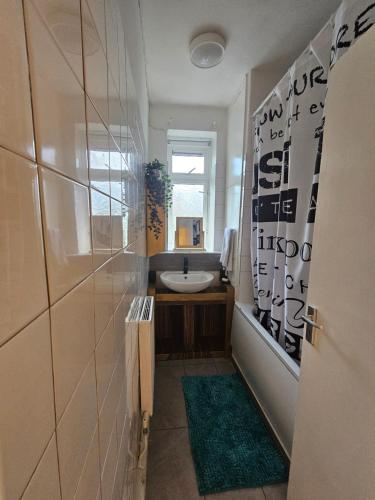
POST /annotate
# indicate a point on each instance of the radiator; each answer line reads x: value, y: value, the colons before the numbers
x: 132, y: 356
x: 140, y: 364
x: 140, y: 349
x: 146, y: 335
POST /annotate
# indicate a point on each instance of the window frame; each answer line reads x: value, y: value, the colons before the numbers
x: 199, y: 147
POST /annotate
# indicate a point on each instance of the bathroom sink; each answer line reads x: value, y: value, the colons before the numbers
x: 193, y: 281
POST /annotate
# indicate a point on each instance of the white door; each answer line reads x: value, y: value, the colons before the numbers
x: 333, y: 455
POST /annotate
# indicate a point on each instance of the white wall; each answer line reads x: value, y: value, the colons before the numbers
x: 259, y: 83
x: 168, y: 116
x: 235, y: 152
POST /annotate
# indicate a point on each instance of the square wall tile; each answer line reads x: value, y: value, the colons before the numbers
x: 73, y: 340
x: 105, y: 359
x: 121, y: 414
x: 16, y: 125
x: 119, y: 323
x: 114, y: 111
x: 124, y: 127
x: 96, y: 70
x: 109, y: 468
x: 101, y: 227
x: 103, y: 298
x: 129, y: 186
x: 119, y: 221
x: 89, y: 482
x: 63, y: 20
x: 97, y: 9
x: 121, y: 468
x: 111, y: 16
x: 131, y: 235
x: 98, y: 150
x: 27, y: 420
x: 45, y: 483
x: 22, y: 265
x: 75, y: 432
x: 118, y: 273
x: 67, y: 236
x: 115, y: 172
x: 107, y: 414
x: 122, y: 61
x: 58, y: 103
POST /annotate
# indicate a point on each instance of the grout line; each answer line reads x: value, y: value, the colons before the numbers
x: 87, y: 158
x: 96, y: 28
x: 31, y: 159
x: 53, y: 168
x: 38, y: 462
x: 50, y: 35
x: 76, y: 285
x: 51, y: 304
x: 28, y: 323
x: 96, y: 431
x: 41, y: 209
x: 75, y: 389
x: 89, y: 275
x: 101, y: 466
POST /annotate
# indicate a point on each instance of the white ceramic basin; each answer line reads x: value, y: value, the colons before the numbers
x: 193, y: 281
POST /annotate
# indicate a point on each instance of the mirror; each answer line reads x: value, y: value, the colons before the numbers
x: 189, y: 232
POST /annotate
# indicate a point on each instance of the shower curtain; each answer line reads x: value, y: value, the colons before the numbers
x: 288, y: 138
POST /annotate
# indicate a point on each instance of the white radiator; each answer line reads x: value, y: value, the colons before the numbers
x: 132, y: 356
x: 140, y: 369
x: 146, y: 335
x: 140, y: 349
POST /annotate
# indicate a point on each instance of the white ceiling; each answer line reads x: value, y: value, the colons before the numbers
x: 258, y: 32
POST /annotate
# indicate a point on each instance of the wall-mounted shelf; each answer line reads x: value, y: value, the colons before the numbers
x: 193, y: 325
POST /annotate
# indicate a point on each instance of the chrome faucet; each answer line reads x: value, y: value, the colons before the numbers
x: 186, y: 265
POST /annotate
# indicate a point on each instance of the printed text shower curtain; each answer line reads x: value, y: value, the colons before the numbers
x: 288, y: 138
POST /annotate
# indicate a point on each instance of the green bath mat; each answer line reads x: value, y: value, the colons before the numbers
x: 231, y: 446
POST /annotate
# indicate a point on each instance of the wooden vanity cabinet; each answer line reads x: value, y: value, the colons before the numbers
x: 193, y: 325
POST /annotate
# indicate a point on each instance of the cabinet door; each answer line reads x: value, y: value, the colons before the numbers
x: 169, y: 329
x: 209, y: 328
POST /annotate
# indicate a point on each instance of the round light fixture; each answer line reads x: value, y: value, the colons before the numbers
x: 207, y: 50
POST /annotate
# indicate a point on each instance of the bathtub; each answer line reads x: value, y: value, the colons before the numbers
x: 268, y: 370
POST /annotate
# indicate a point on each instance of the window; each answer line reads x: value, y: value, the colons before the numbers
x: 189, y: 164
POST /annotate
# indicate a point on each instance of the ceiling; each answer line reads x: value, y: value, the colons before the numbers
x: 268, y: 33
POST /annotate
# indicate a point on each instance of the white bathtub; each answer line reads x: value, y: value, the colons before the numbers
x: 270, y: 373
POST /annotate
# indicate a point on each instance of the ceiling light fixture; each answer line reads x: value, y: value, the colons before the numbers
x: 207, y: 50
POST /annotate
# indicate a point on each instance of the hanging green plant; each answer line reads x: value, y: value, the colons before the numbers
x: 159, y: 194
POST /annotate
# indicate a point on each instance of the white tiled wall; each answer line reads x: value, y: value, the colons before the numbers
x: 72, y: 242
x: 235, y: 153
x: 258, y: 85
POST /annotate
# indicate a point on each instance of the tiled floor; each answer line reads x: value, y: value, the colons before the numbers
x: 170, y: 474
